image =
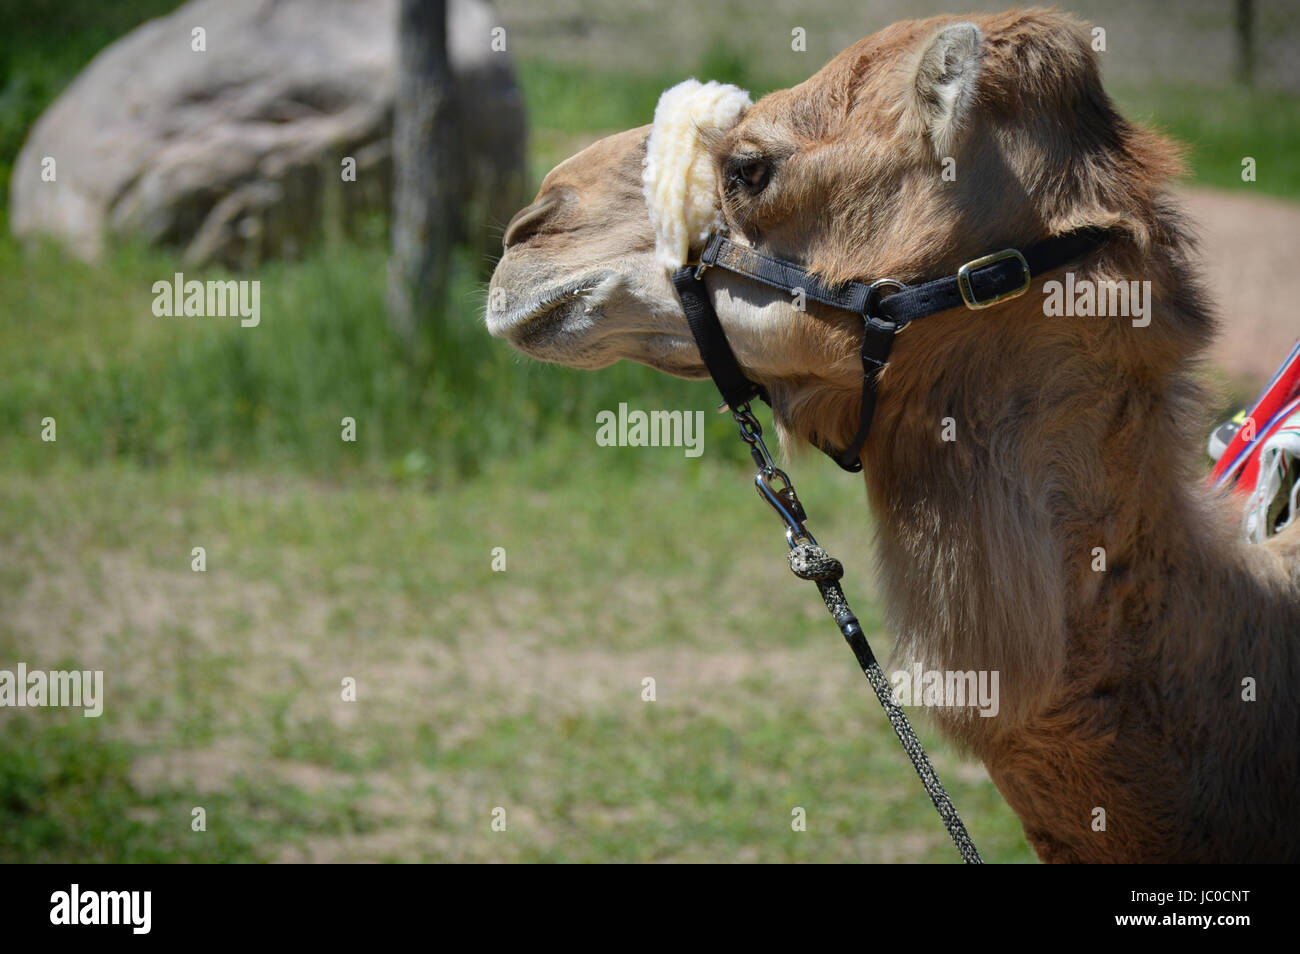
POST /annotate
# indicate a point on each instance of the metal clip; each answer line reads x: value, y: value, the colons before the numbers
x: 786, y: 503
x: 781, y: 498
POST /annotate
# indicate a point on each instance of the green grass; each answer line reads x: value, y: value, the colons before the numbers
x: 81, y: 345
x: 66, y: 795
x: 476, y: 689
x: 1220, y: 126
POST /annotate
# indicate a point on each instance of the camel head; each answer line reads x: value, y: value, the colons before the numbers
x: 919, y: 148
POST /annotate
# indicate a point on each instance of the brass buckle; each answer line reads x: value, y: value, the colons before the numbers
x: 968, y: 294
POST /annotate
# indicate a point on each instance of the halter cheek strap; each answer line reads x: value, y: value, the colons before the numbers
x: 886, y: 307
x: 736, y: 389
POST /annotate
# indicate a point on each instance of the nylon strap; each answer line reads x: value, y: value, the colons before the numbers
x: 991, y: 281
x: 736, y: 389
x: 978, y: 284
x: 913, y: 301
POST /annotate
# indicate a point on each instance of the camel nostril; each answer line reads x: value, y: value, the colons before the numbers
x: 528, y: 220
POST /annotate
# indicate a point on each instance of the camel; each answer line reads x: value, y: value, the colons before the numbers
x: 1148, y: 709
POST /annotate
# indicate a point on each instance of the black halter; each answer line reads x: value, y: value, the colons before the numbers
x: 886, y: 307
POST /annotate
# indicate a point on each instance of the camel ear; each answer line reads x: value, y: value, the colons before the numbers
x: 945, y: 83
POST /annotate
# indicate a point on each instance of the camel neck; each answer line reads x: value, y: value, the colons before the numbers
x: 1025, y: 475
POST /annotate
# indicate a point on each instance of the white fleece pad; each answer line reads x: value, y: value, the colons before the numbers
x: 680, y: 188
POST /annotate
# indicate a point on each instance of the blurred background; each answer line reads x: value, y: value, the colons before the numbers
x: 372, y: 559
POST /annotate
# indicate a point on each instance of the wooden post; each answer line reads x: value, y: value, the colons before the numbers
x: 423, y: 168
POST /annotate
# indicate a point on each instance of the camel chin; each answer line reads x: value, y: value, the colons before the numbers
x: 558, y: 322
x: 590, y: 322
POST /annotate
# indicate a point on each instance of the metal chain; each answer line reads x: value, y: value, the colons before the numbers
x: 810, y: 562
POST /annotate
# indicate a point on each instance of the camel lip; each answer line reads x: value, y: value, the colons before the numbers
x: 526, y: 318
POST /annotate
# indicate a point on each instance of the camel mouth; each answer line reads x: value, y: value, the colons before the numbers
x: 542, y: 312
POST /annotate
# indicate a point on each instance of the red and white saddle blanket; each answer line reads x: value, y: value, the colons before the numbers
x: 1257, y: 454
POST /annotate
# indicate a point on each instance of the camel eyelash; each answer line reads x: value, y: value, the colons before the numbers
x: 748, y: 173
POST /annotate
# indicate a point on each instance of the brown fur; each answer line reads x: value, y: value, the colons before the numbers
x: 1121, y: 689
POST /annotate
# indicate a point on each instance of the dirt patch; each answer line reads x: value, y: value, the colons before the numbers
x: 214, y: 768
x: 210, y: 769
x: 1250, y: 246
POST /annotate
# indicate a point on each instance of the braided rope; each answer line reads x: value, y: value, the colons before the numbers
x: 811, y: 562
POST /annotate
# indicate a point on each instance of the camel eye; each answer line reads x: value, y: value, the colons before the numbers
x: 748, y: 173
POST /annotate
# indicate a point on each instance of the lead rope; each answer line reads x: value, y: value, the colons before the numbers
x: 810, y: 562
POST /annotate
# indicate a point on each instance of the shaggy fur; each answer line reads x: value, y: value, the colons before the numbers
x: 679, y: 184
x: 1121, y: 689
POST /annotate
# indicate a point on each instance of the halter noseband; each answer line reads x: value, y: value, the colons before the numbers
x: 886, y: 307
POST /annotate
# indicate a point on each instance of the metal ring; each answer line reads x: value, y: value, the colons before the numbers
x: 874, y: 288
x: 873, y: 296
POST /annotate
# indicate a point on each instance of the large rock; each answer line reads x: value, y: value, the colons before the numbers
x: 235, y: 154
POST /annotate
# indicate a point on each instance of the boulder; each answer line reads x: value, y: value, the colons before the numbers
x: 237, y: 153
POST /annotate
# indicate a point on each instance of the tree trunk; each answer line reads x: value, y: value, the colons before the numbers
x: 1246, y: 41
x: 423, y: 169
